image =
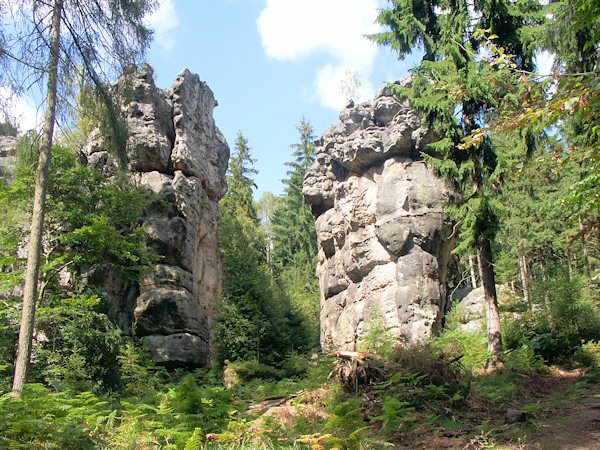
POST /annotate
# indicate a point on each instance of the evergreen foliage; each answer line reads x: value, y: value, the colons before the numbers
x: 293, y: 224
x: 256, y: 323
x: 531, y: 197
x: 454, y: 90
x: 294, y: 254
x: 240, y: 183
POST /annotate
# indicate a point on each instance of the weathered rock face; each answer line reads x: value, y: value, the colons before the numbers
x: 384, y: 241
x: 175, y: 150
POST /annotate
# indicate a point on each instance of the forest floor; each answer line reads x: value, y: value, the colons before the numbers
x: 562, y: 411
x: 569, y: 417
x: 551, y: 409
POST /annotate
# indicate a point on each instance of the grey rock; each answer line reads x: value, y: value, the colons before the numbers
x: 515, y: 415
x: 200, y: 150
x: 7, y: 154
x: 180, y: 349
x: 385, y: 109
x: 469, y: 306
x: 472, y: 306
x: 148, y: 113
x: 384, y: 240
x: 169, y: 310
x: 175, y: 150
x: 163, y: 274
x: 166, y: 236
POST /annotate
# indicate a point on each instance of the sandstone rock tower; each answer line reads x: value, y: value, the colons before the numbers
x: 177, y: 152
x: 384, y: 241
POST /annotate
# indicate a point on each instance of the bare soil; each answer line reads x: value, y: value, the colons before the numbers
x: 559, y: 415
x: 572, y: 420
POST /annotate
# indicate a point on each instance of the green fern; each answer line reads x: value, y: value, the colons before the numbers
x: 195, y: 441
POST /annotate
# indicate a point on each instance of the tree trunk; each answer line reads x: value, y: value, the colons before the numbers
x: 570, y: 264
x: 524, y: 278
x: 486, y: 267
x: 546, y: 293
x: 586, y: 260
x: 39, y: 206
x: 473, y: 275
x: 479, y: 267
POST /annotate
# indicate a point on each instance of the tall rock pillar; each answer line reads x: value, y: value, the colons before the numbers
x: 176, y: 151
x: 384, y: 240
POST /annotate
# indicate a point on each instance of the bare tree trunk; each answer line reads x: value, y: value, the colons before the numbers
x: 488, y: 279
x: 570, y: 264
x: 473, y: 275
x: 546, y: 293
x: 586, y: 260
x: 524, y: 277
x: 39, y: 206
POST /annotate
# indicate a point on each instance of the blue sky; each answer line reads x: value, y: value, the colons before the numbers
x: 270, y: 63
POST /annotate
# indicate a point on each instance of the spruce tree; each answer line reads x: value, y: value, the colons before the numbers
x: 293, y: 224
x: 453, y: 91
x: 239, y: 179
x: 294, y: 251
x: 255, y: 324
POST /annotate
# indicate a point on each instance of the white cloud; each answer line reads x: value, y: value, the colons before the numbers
x: 164, y: 21
x: 544, y: 60
x: 20, y: 110
x: 291, y: 30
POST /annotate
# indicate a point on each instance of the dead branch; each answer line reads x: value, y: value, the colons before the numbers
x: 355, y: 369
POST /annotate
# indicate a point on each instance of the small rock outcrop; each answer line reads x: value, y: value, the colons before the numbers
x: 7, y: 155
x: 175, y: 150
x: 384, y: 240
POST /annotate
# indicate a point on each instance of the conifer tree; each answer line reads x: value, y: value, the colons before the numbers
x: 239, y: 179
x: 255, y: 323
x: 453, y: 90
x: 293, y: 224
x: 266, y: 206
x: 294, y: 237
x: 533, y: 231
x: 574, y: 37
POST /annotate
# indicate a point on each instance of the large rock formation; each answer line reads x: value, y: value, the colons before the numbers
x: 176, y: 151
x: 384, y: 241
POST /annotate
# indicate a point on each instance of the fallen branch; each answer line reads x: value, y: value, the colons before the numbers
x: 355, y: 369
x: 269, y: 402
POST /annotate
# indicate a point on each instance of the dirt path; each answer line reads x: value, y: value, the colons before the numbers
x: 572, y: 420
x: 560, y: 415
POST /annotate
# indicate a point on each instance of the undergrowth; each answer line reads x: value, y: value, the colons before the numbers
x: 433, y: 390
